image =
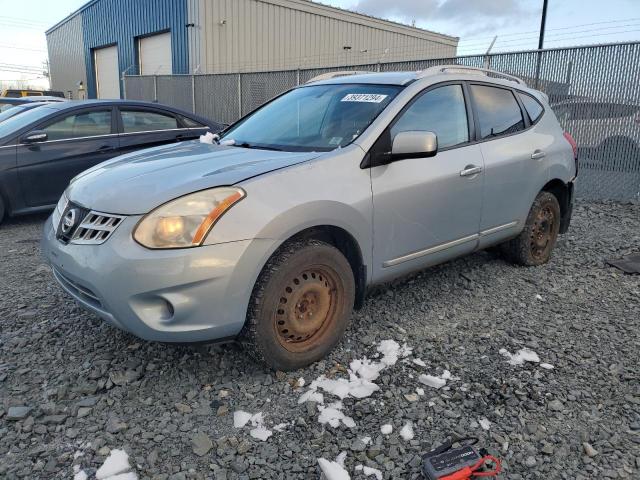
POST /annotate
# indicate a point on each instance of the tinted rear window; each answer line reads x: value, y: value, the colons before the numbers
x: 532, y: 106
x: 498, y: 111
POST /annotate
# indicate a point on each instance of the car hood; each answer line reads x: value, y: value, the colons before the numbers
x: 138, y: 182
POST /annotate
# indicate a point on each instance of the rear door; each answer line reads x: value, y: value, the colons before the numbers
x: 145, y: 127
x: 75, y: 141
x: 514, y: 157
x: 107, y: 73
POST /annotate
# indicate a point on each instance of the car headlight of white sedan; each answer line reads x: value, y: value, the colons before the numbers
x: 186, y: 221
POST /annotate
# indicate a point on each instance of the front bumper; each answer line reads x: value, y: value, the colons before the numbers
x: 182, y: 295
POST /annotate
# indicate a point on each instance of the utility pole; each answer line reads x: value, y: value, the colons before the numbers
x: 542, y: 25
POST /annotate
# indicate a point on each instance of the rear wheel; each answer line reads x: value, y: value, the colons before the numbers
x: 300, y: 305
x: 538, y: 238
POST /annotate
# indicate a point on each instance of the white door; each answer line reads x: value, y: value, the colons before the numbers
x: 154, y: 54
x: 107, y: 77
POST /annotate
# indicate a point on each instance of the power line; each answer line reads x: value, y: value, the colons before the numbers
x: 4, y: 45
x: 23, y: 20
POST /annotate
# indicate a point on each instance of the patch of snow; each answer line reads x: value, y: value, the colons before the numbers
x: 420, y: 391
x: 419, y: 362
x: 280, y: 427
x: 260, y: 433
x: 341, y: 458
x: 240, y: 418
x: 79, y: 474
x: 333, y: 470
x: 300, y: 383
x: 523, y: 355
x: 207, y: 138
x: 333, y: 415
x: 386, y: 429
x: 431, y: 381
x: 366, y: 440
x: 311, y: 396
x: 368, y: 471
x: 116, y: 463
x: 546, y: 366
x: 484, y: 423
x: 539, y: 297
x: 407, y: 432
x: 123, y: 476
x: 391, y: 351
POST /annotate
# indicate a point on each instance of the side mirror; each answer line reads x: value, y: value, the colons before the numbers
x: 414, y: 144
x: 34, y: 136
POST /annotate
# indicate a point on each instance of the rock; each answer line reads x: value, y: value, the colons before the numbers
x: 556, y: 406
x: 124, y: 377
x: 83, y: 412
x: 530, y: 461
x: 53, y: 419
x: 589, y: 450
x: 17, y: 413
x: 183, y: 408
x: 201, y: 444
x: 222, y: 410
x: 411, y: 397
x: 114, y: 425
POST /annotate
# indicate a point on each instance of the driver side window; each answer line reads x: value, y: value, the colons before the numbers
x: 441, y: 111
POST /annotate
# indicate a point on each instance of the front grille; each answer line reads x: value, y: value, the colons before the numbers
x: 79, y: 225
x: 77, y: 290
x: 96, y: 228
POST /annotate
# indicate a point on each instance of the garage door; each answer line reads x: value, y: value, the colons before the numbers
x: 154, y: 53
x: 107, y: 77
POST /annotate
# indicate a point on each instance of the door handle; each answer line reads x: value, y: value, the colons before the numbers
x: 470, y: 170
x: 105, y: 149
x: 537, y: 155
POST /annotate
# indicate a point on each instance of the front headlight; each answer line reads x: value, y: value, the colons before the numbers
x: 186, y: 221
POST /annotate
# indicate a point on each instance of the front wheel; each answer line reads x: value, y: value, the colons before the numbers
x: 300, y: 305
x: 538, y: 238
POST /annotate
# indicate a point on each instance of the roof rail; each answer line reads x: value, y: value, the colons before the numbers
x: 471, y: 70
x: 342, y: 73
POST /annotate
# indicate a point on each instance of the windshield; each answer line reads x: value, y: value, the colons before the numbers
x: 314, y: 118
x: 16, y: 122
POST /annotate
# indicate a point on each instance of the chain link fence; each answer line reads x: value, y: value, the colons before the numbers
x: 594, y: 91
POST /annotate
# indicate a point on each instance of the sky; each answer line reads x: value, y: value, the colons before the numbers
x: 476, y: 22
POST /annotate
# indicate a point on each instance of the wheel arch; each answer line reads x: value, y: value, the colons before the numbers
x: 563, y: 191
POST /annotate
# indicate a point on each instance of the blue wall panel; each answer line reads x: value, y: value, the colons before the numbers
x: 119, y: 22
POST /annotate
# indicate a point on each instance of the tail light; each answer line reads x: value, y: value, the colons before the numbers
x: 574, y: 146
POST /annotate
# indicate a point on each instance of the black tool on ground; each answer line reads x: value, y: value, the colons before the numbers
x: 447, y: 462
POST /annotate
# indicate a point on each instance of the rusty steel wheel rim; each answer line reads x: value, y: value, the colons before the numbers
x: 307, y: 308
x: 542, y: 232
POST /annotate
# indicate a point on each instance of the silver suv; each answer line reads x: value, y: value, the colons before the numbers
x: 273, y: 233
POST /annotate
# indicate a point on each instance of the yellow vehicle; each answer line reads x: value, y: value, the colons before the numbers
x: 15, y: 93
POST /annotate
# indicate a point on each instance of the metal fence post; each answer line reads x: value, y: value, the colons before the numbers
x: 193, y: 93
x: 298, y: 76
x: 239, y: 95
x: 155, y: 88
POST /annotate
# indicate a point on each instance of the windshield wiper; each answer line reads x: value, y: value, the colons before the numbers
x: 257, y: 147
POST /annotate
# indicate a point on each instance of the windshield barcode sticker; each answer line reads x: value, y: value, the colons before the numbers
x: 364, y: 97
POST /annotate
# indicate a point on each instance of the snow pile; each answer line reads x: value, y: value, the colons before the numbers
x: 386, y: 429
x: 484, y: 423
x: 419, y: 362
x: 116, y: 467
x: 546, y: 366
x: 523, y: 355
x: 259, y: 431
x: 332, y: 414
x: 208, y: 138
x: 368, y: 471
x: 437, y: 382
x: 407, y: 432
x: 334, y: 470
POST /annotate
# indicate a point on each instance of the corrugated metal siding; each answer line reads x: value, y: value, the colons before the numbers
x: 66, y: 57
x: 109, y: 22
x: 258, y: 35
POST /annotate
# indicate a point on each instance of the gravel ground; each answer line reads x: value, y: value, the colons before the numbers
x: 87, y: 388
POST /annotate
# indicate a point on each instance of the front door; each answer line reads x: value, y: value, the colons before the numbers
x: 75, y: 142
x: 428, y: 209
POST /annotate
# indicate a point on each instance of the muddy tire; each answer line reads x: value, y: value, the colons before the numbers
x: 538, y: 238
x: 300, y: 305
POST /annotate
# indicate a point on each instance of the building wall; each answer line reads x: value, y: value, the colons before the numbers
x: 66, y: 58
x: 260, y: 35
x: 109, y: 22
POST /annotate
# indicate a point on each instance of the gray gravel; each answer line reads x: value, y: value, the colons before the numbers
x: 70, y: 384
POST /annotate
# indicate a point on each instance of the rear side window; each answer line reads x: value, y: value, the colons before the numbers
x: 532, y: 106
x: 441, y: 111
x: 190, y: 122
x: 498, y: 111
x: 144, y: 121
x: 86, y: 124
